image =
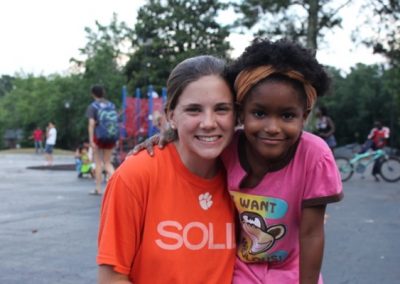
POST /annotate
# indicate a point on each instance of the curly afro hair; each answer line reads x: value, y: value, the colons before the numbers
x: 283, y: 55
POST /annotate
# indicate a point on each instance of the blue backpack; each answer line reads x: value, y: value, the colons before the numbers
x: 106, y: 130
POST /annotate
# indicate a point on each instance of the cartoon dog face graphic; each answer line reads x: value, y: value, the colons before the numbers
x: 262, y: 237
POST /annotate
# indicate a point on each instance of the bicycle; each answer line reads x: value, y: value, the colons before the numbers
x: 388, y: 166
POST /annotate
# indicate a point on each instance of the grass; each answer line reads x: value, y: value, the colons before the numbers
x: 32, y: 151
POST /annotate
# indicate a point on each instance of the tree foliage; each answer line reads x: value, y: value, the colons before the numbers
x: 385, y: 24
x: 6, y: 84
x: 34, y: 101
x: 166, y: 32
x: 104, y: 54
x: 301, y: 20
x: 359, y: 99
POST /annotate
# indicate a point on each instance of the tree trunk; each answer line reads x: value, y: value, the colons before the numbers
x: 312, y: 29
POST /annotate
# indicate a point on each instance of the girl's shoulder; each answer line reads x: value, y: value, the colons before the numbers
x: 313, y: 146
x: 143, y: 164
x: 308, y: 140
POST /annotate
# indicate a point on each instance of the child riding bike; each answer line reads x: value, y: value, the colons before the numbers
x: 377, y: 139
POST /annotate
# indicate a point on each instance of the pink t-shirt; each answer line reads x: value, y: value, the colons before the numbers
x: 270, y: 213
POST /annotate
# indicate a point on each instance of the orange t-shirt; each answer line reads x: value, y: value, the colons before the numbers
x: 160, y: 223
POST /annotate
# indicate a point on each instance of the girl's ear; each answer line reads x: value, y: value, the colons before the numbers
x: 306, y: 114
x: 170, y: 118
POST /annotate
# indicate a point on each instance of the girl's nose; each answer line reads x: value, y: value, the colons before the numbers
x: 209, y: 120
x: 272, y: 126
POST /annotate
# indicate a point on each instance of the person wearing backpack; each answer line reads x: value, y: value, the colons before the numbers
x: 103, y: 133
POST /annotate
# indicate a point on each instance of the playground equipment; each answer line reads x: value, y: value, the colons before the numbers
x: 137, y: 118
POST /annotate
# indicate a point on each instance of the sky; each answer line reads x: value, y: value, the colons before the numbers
x: 39, y: 37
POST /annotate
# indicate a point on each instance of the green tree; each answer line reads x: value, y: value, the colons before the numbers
x: 385, y: 24
x: 34, y: 101
x: 358, y: 99
x: 167, y: 32
x: 27, y: 101
x: 6, y: 84
x: 103, y: 58
x: 301, y: 20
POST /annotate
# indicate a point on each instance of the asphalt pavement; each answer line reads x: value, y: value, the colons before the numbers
x: 49, y: 223
x: 363, y: 234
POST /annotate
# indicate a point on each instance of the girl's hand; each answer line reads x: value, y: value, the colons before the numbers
x: 162, y: 139
x: 147, y: 144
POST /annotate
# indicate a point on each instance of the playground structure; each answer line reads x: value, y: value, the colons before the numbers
x: 138, y: 118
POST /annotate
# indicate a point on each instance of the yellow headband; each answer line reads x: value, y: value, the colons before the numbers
x: 248, y: 78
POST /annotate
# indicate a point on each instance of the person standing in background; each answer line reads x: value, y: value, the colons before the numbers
x: 325, y: 128
x: 37, y: 137
x: 99, y: 112
x: 51, y: 137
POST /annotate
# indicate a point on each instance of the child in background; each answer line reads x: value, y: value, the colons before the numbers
x: 83, y: 161
x: 279, y: 176
x: 87, y: 164
x: 37, y: 137
x: 377, y: 139
x: 78, y: 161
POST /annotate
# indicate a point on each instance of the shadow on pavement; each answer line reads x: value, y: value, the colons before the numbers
x: 62, y: 167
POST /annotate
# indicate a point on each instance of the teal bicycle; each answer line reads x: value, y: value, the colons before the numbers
x: 388, y: 167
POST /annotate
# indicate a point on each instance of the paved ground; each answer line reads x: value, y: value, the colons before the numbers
x: 362, y: 234
x: 48, y: 223
x: 48, y: 228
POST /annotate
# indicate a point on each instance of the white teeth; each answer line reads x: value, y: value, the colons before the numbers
x: 208, y: 138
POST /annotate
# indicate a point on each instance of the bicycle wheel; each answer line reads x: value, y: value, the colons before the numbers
x: 345, y: 168
x: 390, y: 169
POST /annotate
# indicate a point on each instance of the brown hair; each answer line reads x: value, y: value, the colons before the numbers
x: 191, y: 70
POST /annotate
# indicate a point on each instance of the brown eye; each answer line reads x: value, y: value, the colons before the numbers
x: 223, y: 109
x: 288, y: 115
x: 259, y: 113
x: 192, y: 109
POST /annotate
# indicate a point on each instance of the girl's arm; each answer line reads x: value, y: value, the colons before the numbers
x: 311, y: 243
x: 107, y: 275
x: 166, y: 136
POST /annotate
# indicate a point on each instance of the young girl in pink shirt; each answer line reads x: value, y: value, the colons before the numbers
x: 279, y: 176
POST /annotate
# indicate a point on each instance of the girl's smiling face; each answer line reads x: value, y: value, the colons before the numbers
x: 273, y: 115
x: 204, y: 119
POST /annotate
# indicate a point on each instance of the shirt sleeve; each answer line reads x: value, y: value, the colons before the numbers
x: 372, y: 133
x: 91, y: 112
x: 120, y: 224
x: 323, y: 184
x: 387, y: 132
